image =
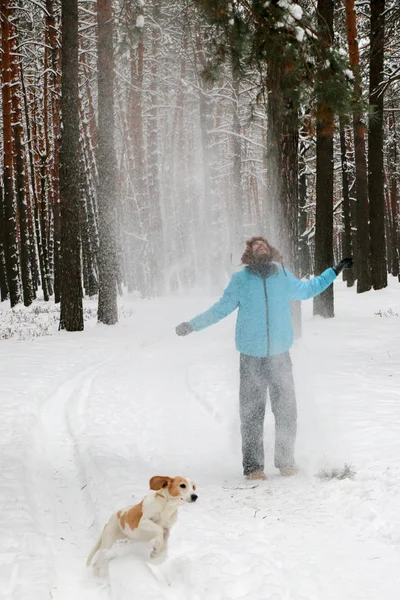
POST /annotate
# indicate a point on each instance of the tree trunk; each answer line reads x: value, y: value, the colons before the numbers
x: 282, y: 173
x: 394, y: 198
x: 107, y: 309
x: 54, y: 99
x: 347, y: 246
x: 388, y: 222
x: 282, y: 165
x: 236, y: 216
x: 10, y: 238
x: 40, y: 203
x: 375, y: 147
x: 363, y: 247
x: 155, y: 229
x: 4, y: 292
x: 304, y: 250
x: 324, y: 303
x: 19, y: 148
x: 32, y: 177
x: 210, y: 212
x: 140, y: 274
x: 88, y: 252
x: 71, y: 317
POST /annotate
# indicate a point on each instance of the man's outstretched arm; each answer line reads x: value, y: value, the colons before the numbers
x: 225, y: 305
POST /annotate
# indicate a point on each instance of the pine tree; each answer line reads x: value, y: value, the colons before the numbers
x: 324, y: 303
x: 71, y: 316
x: 375, y: 147
x: 106, y: 193
x: 362, y: 255
x: 10, y: 231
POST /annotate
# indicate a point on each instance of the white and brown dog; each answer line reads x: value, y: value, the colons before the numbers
x: 151, y: 519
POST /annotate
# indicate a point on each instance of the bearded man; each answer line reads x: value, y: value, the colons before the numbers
x: 262, y: 292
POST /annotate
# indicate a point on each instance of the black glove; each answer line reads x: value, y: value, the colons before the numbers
x: 345, y: 263
x: 184, y: 329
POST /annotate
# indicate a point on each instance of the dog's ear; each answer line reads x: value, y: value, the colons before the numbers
x: 158, y: 482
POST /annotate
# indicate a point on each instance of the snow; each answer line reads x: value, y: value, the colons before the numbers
x: 349, y: 74
x: 284, y: 4
x: 299, y: 33
x: 140, y: 21
x: 87, y: 418
x: 296, y: 11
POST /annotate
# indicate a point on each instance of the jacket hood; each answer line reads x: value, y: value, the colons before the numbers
x: 248, y: 257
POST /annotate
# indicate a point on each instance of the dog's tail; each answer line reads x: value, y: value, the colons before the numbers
x: 93, y: 552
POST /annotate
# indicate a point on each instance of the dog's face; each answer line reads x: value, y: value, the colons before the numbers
x: 179, y: 488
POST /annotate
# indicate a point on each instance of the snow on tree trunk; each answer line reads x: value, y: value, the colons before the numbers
x: 347, y: 243
x: 394, y: 197
x: 10, y: 238
x: 20, y: 192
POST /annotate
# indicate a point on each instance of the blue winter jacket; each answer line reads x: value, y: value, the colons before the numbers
x: 264, y: 324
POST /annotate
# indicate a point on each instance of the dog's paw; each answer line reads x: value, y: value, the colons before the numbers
x: 157, y: 553
x: 158, y: 559
x: 97, y: 571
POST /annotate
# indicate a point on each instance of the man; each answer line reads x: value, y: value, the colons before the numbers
x: 264, y: 334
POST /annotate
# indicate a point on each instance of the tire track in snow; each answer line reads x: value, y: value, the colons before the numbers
x: 64, y: 508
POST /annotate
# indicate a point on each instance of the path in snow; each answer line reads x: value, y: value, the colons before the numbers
x: 297, y: 539
x: 94, y: 416
x: 64, y: 509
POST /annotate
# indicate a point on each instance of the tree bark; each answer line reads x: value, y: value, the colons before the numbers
x: 347, y: 245
x: 107, y: 308
x: 394, y: 197
x: 282, y: 173
x: 375, y: 147
x: 362, y: 255
x: 155, y: 228
x: 19, y: 156
x: 71, y: 317
x: 236, y: 216
x: 54, y: 165
x: 4, y: 292
x: 282, y: 167
x: 304, y: 250
x: 10, y: 238
x: 324, y: 303
x: 140, y: 274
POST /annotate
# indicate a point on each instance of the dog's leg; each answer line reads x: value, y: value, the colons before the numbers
x: 167, y: 530
x: 111, y: 534
x: 155, y: 531
x: 94, y: 550
x: 165, y: 541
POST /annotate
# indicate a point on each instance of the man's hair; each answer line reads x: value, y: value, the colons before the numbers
x: 248, y: 257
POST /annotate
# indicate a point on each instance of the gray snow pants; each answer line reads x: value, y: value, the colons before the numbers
x: 257, y: 375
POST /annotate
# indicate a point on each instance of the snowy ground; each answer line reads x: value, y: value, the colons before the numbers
x: 87, y: 419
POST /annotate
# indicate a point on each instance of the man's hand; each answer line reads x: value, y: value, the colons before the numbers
x: 345, y: 263
x: 183, y: 329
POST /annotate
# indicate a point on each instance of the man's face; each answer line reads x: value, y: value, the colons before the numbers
x: 259, y: 248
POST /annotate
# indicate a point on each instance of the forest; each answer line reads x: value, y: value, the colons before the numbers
x: 143, y: 141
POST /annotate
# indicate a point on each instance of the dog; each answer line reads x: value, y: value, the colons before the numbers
x: 151, y: 519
